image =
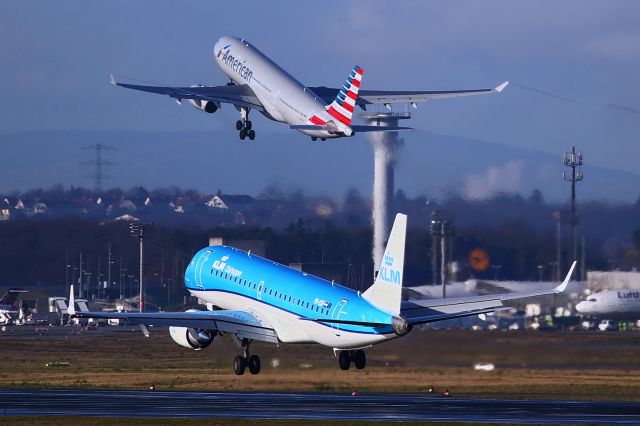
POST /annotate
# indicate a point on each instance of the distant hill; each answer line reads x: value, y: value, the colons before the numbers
x: 429, y: 164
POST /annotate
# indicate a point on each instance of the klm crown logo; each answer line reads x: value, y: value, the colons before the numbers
x: 387, y: 273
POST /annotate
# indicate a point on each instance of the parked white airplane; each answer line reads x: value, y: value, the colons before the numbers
x: 618, y: 304
x: 258, y: 299
x: 256, y: 82
x: 9, y: 312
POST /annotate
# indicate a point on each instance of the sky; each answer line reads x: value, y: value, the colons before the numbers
x: 574, y: 66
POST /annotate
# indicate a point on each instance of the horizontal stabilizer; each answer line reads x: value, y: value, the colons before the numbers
x: 356, y: 128
x: 308, y: 127
x: 363, y: 128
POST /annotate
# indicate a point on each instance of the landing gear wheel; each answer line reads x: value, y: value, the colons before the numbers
x: 344, y: 359
x: 243, y: 134
x: 247, y: 125
x: 359, y: 359
x: 251, y: 134
x: 239, y: 364
x: 254, y: 364
x: 314, y: 138
x: 239, y: 125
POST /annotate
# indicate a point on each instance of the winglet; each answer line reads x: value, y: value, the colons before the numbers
x: 501, y: 87
x: 71, y: 309
x: 113, y: 80
x: 562, y: 287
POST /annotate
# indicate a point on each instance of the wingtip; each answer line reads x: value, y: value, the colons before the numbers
x: 113, y: 80
x: 501, y: 87
x: 562, y: 287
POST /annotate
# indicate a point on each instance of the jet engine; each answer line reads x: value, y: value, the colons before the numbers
x: 192, y: 338
x: 401, y: 326
x: 206, y: 106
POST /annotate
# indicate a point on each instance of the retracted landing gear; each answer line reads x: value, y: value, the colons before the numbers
x: 244, y: 125
x: 250, y: 361
x: 346, y: 357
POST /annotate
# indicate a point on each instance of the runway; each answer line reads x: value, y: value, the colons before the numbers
x: 248, y: 405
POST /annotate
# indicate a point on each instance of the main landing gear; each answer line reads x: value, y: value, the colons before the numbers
x: 244, y: 125
x: 315, y: 138
x: 240, y: 363
x: 357, y: 357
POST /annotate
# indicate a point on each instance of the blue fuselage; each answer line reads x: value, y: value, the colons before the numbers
x: 220, y: 272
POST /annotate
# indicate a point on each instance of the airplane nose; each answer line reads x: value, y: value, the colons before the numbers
x: 580, y: 307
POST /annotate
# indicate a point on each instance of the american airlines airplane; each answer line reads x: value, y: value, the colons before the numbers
x: 620, y: 304
x: 255, y: 299
x: 258, y: 83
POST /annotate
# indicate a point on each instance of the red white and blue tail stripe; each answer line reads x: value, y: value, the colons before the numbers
x: 342, y: 107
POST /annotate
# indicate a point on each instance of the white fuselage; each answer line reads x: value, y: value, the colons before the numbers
x: 284, y: 98
x: 292, y: 328
x: 612, y: 304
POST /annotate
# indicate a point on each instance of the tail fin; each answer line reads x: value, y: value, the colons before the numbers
x: 386, y: 291
x: 342, y: 107
x: 71, y: 308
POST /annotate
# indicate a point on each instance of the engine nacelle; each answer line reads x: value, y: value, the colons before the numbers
x: 400, y: 326
x: 206, y: 106
x: 192, y: 338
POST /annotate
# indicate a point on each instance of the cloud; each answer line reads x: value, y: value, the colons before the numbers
x: 497, y: 179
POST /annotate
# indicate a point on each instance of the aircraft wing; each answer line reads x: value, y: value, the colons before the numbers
x: 237, y: 94
x: 431, y: 310
x: 366, y: 97
x: 240, y: 323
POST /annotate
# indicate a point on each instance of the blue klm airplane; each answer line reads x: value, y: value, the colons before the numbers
x: 252, y: 298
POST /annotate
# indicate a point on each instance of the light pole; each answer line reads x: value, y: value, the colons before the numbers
x: 573, y: 160
x: 109, y: 262
x: 496, y: 269
x: 540, y: 269
x: 141, y: 231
